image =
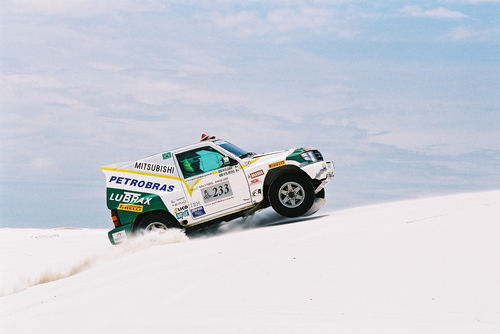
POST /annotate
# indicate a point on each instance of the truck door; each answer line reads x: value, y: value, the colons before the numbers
x: 214, y: 183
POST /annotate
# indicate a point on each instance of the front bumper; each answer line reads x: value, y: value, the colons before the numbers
x: 120, y: 234
x: 321, y: 170
x: 329, y: 171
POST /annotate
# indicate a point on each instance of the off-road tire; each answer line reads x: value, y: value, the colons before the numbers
x: 154, y: 221
x: 291, y: 195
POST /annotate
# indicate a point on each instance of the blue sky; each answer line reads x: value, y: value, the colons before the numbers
x: 402, y: 95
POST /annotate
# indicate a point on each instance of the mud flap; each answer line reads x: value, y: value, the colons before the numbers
x: 318, y: 204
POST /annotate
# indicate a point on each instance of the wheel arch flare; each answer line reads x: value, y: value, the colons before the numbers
x: 275, y: 173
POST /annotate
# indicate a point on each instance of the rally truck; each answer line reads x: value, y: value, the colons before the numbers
x: 212, y: 181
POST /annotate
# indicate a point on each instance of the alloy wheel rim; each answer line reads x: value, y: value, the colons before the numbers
x: 291, y: 194
x: 155, y: 227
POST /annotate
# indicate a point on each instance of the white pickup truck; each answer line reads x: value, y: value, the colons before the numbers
x: 212, y: 181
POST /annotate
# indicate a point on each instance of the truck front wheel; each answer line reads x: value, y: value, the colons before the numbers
x: 291, y: 195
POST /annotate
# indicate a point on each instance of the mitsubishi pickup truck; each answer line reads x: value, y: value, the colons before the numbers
x: 212, y: 181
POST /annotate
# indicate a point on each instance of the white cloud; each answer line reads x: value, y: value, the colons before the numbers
x: 473, y: 2
x: 285, y: 20
x: 144, y: 88
x: 203, y: 67
x: 462, y: 33
x: 42, y: 163
x: 281, y: 23
x: 105, y: 67
x: 244, y: 23
x: 72, y: 8
x: 43, y: 89
x: 435, y: 13
x: 235, y: 19
x: 434, y: 141
x: 158, y: 92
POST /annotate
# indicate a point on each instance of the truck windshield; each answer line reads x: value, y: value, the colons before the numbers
x: 233, y: 148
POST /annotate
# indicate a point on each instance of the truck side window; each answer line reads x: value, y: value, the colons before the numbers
x: 198, y: 161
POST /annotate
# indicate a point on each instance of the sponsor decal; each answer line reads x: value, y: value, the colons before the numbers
x: 141, y: 183
x: 257, y: 192
x: 179, y: 204
x: 220, y: 200
x: 256, y: 174
x: 276, y: 164
x: 199, y: 211
x: 216, y: 192
x: 154, y: 167
x: 227, y: 171
x: 182, y: 208
x: 130, y: 197
x: 194, y: 204
x: 181, y: 200
x: 130, y: 207
x: 254, y: 181
x: 182, y: 214
x: 167, y: 155
x: 224, y: 169
x: 208, y: 184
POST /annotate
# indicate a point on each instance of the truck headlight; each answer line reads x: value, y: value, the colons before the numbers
x: 309, y: 156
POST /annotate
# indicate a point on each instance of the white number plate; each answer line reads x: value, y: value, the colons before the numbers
x: 119, y: 237
x: 216, y: 192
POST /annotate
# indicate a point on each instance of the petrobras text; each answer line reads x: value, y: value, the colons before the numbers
x: 141, y: 184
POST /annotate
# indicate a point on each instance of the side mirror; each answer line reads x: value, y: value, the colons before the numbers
x: 226, y: 161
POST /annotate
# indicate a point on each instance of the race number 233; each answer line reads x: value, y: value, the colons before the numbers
x: 215, y: 192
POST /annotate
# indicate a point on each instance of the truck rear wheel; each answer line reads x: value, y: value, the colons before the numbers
x: 291, y: 195
x: 154, y: 222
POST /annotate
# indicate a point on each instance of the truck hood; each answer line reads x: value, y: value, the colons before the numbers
x: 269, y: 153
x: 271, y: 156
